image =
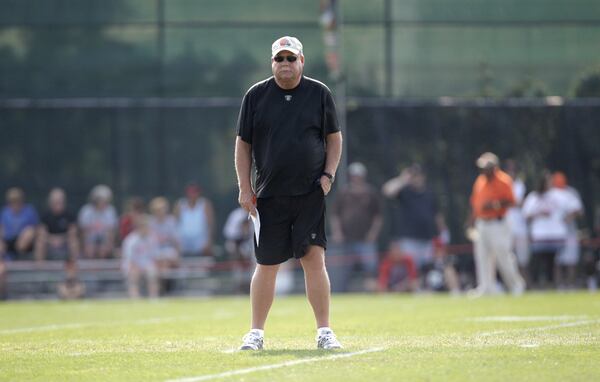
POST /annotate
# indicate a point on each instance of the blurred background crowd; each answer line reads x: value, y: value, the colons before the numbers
x: 147, y: 240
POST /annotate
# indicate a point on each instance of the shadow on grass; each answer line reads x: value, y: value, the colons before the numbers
x: 298, y: 353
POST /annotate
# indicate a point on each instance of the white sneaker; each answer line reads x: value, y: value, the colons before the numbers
x: 252, y: 341
x: 327, y: 340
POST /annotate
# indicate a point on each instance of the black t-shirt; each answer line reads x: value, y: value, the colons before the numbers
x: 415, y: 215
x: 287, y: 130
x: 58, y: 224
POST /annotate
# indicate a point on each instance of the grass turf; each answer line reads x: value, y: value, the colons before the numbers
x: 536, y: 337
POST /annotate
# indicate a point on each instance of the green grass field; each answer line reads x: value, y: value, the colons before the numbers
x: 537, y: 337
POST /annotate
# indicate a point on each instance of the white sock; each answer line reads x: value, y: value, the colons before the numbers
x: 324, y: 329
x: 260, y: 332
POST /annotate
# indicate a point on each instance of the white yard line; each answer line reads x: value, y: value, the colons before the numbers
x: 45, y: 328
x: 273, y: 366
x: 526, y: 318
x: 345, y: 355
x: 540, y: 328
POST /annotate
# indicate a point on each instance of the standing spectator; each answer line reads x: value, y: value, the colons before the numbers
x: 491, y: 197
x: 356, y: 222
x: 98, y: 223
x: 418, y: 218
x: 164, y: 227
x: 17, y: 226
x: 195, y: 217
x: 548, y: 210
x: 568, y: 256
x: 133, y: 208
x: 239, y: 244
x: 516, y: 220
x: 140, y: 250
x: 57, y: 234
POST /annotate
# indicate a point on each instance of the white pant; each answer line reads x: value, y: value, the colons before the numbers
x: 493, y: 248
x: 569, y: 254
x: 521, y: 247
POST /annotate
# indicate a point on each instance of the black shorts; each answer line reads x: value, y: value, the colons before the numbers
x: 289, y: 225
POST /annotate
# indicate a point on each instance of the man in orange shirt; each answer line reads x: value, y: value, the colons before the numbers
x: 492, y: 196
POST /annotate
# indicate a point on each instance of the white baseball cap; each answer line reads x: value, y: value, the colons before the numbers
x: 487, y: 160
x: 291, y: 44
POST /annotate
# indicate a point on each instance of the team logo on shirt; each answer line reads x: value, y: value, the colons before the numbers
x: 288, y: 97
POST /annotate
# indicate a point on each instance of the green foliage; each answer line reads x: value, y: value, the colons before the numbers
x: 58, y: 48
x: 587, y: 85
x: 528, y: 88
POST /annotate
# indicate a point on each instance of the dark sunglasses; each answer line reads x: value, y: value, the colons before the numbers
x: 288, y: 58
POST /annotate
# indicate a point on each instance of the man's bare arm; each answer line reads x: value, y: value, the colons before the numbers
x: 243, y: 166
x: 333, y: 154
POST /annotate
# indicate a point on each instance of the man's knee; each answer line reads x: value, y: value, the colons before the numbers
x: 314, y: 258
x: 25, y: 239
x: 266, y: 270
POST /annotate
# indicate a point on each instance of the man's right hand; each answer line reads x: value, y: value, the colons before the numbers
x: 247, y: 200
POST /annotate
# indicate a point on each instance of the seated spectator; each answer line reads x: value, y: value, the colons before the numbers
x: 71, y: 288
x: 56, y: 237
x: 164, y: 227
x: 444, y: 264
x: 239, y: 244
x: 133, y: 208
x: 195, y: 218
x: 140, y: 250
x: 17, y: 231
x: 98, y: 224
x: 398, y: 272
x: 17, y: 226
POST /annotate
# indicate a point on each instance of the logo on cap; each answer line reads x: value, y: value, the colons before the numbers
x: 286, y: 43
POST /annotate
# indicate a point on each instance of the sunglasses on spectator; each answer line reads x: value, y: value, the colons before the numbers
x: 288, y: 58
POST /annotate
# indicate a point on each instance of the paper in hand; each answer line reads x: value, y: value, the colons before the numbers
x: 256, y: 223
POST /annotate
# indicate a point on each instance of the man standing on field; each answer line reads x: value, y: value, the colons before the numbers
x: 288, y: 126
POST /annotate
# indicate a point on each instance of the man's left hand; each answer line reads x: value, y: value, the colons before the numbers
x: 325, y: 184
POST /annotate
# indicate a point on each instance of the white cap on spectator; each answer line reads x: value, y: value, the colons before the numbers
x: 357, y: 169
x: 487, y: 160
x: 101, y: 192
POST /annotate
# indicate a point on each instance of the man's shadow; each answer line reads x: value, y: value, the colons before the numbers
x: 298, y: 353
